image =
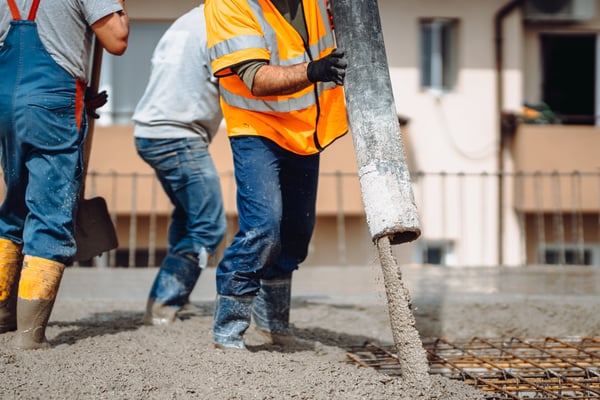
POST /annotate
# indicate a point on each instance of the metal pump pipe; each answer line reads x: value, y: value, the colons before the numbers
x: 383, y: 172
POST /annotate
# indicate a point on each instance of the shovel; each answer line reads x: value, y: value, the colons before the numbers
x: 94, y: 229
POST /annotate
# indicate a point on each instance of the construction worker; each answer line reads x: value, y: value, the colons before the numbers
x: 280, y: 78
x: 175, y: 121
x: 44, y: 62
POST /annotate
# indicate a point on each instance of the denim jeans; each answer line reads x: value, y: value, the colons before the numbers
x: 188, y: 176
x: 276, y: 196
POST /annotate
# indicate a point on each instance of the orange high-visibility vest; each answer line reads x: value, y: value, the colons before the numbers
x: 304, y: 122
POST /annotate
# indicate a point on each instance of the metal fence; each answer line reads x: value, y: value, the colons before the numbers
x: 547, y: 218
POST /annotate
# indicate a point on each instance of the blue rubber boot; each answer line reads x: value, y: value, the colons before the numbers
x: 271, y: 313
x: 232, y: 319
x: 172, y: 287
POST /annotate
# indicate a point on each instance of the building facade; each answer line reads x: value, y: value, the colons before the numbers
x: 498, y: 106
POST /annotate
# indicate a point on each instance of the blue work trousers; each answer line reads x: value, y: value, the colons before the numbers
x: 42, y: 129
x: 276, y: 196
x: 188, y: 176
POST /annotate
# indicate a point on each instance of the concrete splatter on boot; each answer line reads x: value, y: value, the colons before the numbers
x: 171, y: 290
x: 38, y: 286
x: 10, y: 270
x: 271, y: 313
x: 232, y: 319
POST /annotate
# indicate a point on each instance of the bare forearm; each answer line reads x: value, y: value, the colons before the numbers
x: 273, y: 80
x: 113, y: 31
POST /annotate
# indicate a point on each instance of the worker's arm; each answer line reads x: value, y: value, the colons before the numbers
x: 271, y: 80
x: 113, y: 31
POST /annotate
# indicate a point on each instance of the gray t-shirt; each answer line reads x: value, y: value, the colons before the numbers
x: 182, y: 96
x: 64, y: 28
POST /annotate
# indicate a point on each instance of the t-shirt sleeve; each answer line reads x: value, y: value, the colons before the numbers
x: 247, y: 70
x: 97, y: 9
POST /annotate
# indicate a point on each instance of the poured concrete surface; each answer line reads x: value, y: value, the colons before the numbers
x: 357, y: 283
x: 447, y: 302
x: 101, y: 349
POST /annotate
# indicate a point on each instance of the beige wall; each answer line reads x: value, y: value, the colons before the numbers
x: 453, y: 131
x: 158, y: 10
x: 113, y: 150
x: 564, y: 149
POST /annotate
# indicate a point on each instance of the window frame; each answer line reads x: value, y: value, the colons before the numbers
x: 438, y: 54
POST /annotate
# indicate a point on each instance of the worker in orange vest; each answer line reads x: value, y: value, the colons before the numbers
x: 280, y: 81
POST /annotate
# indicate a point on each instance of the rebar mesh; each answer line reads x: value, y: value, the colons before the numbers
x: 549, y: 368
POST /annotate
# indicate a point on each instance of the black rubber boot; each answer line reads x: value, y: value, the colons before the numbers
x: 171, y: 290
x: 271, y: 307
x: 271, y: 313
x: 232, y: 319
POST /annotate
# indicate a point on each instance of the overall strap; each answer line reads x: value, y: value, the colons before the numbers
x: 17, y: 15
x: 33, y: 11
x: 14, y: 10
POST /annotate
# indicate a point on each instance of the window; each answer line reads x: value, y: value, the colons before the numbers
x: 435, y: 252
x: 438, y: 54
x: 433, y: 255
x: 568, y: 256
x: 569, y: 77
x: 125, y: 77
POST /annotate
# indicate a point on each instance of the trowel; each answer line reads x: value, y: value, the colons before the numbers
x: 94, y: 229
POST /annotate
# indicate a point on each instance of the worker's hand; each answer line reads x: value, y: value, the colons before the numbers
x: 94, y: 101
x: 331, y: 68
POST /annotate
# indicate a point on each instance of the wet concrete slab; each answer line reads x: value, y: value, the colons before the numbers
x: 358, y: 283
x: 534, y: 301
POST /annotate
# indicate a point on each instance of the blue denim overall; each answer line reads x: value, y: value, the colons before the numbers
x: 42, y: 128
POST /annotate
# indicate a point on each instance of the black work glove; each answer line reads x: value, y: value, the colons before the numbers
x: 331, y: 68
x: 94, y: 101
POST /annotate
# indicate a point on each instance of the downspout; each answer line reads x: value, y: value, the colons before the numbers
x: 501, y: 14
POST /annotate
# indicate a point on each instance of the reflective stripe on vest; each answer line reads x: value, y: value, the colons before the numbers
x: 293, y: 104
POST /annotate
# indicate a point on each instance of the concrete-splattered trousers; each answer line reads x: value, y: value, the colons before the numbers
x: 276, y: 196
x: 42, y: 129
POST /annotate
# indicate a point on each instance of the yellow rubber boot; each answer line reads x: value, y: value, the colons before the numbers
x: 10, y: 268
x: 38, y: 286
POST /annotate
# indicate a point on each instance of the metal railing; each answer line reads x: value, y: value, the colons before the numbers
x: 550, y: 218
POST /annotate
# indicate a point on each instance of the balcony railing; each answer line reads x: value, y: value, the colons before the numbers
x: 549, y: 218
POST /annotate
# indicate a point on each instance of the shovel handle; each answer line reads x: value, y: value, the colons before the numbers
x: 93, y: 88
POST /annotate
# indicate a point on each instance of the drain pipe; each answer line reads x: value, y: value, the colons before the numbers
x: 499, y: 17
